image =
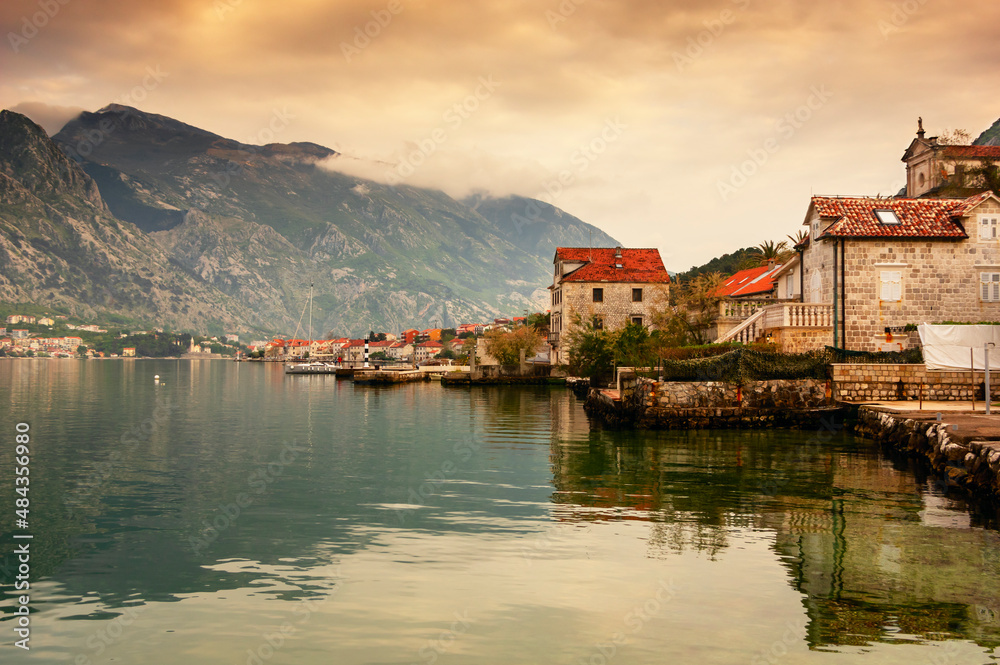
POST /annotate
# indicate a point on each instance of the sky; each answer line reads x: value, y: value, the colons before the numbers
x: 695, y: 126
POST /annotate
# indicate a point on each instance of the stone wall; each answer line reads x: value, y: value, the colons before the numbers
x: 616, y: 309
x: 973, y: 465
x: 647, y: 404
x: 867, y: 383
x: 940, y: 280
x: 801, y: 340
x: 777, y: 394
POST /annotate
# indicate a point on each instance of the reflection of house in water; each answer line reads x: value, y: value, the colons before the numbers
x: 870, y: 554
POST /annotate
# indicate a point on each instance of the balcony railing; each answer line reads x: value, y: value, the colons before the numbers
x: 780, y: 315
x: 741, y: 309
x: 798, y: 315
x: 553, y: 338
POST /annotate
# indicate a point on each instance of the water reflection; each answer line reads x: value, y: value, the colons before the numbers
x: 875, y: 553
x: 230, y: 500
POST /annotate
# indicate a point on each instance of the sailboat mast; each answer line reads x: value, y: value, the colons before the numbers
x: 310, y: 313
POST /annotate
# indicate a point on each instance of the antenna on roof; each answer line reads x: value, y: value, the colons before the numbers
x: 590, y: 242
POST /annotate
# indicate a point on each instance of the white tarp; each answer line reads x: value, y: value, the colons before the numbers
x: 959, y: 347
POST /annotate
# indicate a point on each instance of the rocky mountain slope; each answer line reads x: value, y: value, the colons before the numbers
x: 261, y: 223
x: 61, y: 246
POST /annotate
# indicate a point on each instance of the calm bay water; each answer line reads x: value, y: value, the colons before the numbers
x: 231, y: 514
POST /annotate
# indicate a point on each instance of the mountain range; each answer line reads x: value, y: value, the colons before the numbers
x: 139, y: 216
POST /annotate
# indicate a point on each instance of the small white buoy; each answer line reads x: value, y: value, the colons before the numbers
x: 156, y: 378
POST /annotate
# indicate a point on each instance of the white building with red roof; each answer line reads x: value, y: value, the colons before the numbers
x: 604, y: 287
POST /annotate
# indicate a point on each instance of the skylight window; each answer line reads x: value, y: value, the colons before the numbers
x: 887, y: 217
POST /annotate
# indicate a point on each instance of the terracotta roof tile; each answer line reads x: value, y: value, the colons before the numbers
x: 972, y: 151
x: 749, y: 282
x: 918, y: 218
x: 638, y: 265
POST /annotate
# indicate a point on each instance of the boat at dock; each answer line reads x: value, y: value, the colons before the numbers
x: 312, y: 368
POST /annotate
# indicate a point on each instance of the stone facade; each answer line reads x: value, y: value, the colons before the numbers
x: 870, y: 383
x: 620, y: 303
x: 939, y: 279
x: 801, y: 340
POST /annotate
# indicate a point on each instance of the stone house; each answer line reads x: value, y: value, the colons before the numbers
x: 426, y: 350
x: 932, y: 166
x: 884, y: 263
x: 607, y: 287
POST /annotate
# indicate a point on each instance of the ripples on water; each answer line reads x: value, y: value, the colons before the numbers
x: 232, y: 514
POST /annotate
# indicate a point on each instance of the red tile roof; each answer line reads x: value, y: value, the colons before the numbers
x: 749, y: 282
x: 972, y: 151
x: 919, y: 218
x: 638, y: 265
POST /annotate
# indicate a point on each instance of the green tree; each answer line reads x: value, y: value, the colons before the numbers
x: 539, y: 321
x: 632, y: 346
x: 772, y: 251
x: 591, y: 352
x: 506, y: 346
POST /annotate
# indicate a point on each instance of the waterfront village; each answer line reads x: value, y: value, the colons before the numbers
x: 859, y: 276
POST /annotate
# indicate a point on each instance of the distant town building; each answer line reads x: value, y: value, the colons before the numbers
x: 46, y: 322
x: 427, y: 350
x: 128, y: 352
x: 19, y: 333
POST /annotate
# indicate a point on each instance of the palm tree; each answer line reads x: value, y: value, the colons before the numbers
x: 798, y: 238
x: 771, y: 251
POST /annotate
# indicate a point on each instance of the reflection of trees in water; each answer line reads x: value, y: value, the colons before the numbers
x: 851, y: 529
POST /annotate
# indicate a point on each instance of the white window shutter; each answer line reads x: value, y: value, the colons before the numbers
x: 891, y: 287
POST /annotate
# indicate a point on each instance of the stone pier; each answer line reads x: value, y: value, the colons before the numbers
x: 963, y: 448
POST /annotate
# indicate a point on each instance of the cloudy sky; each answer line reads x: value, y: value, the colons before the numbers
x: 694, y: 126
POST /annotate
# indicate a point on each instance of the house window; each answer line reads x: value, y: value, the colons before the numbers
x: 790, y: 286
x: 598, y: 295
x: 636, y: 295
x: 598, y: 323
x: 891, y: 286
x: 989, y: 286
x: 637, y: 320
x: 988, y: 227
x: 815, y: 230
